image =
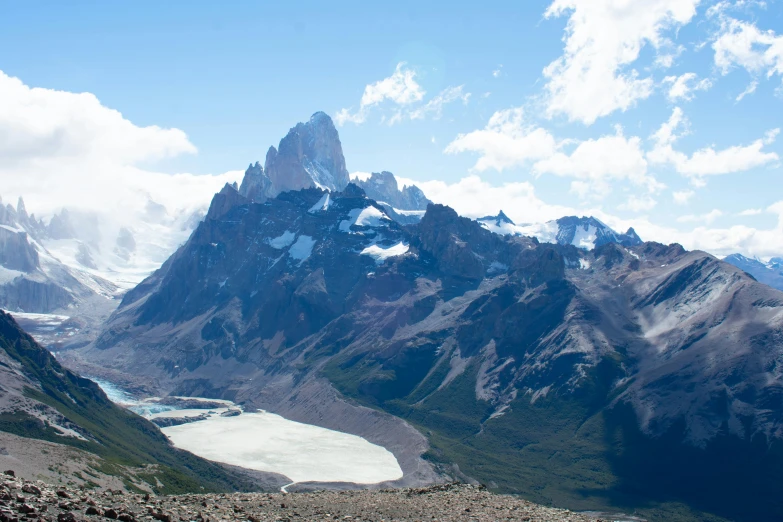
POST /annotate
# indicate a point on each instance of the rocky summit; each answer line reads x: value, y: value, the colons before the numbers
x: 25, y: 500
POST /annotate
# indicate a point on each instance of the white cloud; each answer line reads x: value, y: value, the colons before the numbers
x: 603, y: 38
x: 597, y: 162
x: 473, y: 197
x: 707, y: 218
x: 684, y: 86
x: 43, y: 124
x: 665, y: 59
x: 745, y: 45
x: 497, y: 72
x: 707, y: 161
x: 636, y: 203
x: 751, y: 212
x: 505, y: 142
x: 435, y: 105
x: 61, y: 148
x: 750, y: 89
x: 400, y: 88
x: 682, y: 197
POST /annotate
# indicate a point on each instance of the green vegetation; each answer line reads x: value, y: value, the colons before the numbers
x: 574, y: 452
x: 121, y: 438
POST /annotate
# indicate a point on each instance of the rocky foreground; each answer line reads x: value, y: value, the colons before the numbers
x: 23, y: 500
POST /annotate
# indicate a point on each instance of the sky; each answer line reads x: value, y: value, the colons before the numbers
x: 663, y: 115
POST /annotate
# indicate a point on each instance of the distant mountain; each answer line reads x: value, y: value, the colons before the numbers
x: 383, y: 188
x: 624, y: 376
x: 582, y: 232
x: 31, y: 278
x: 39, y: 399
x: 770, y: 273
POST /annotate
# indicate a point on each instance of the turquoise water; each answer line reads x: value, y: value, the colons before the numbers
x: 123, y: 398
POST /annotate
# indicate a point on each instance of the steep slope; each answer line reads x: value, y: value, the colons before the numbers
x: 40, y: 399
x: 583, y: 378
x: 770, y: 273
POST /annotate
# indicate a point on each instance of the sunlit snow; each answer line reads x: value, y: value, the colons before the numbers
x: 382, y: 254
x: 302, y: 249
x: 364, y: 217
x: 283, y: 240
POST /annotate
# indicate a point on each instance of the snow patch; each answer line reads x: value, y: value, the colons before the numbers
x: 585, y: 238
x: 7, y: 275
x: 381, y: 254
x: 302, y: 249
x: 322, y: 204
x: 364, y: 217
x: 280, y: 242
x: 584, y: 264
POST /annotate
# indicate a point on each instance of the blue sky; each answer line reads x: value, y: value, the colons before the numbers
x: 549, y: 107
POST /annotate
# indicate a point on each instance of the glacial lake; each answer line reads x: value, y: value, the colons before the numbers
x: 265, y: 441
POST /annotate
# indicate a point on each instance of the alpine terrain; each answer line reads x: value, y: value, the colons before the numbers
x: 578, y: 367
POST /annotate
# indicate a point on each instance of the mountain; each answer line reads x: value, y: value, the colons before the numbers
x: 42, y: 401
x: 770, y: 273
x: 310, y: 155
x: 581, y: 232
x: 636, y: 377
x: 31, y: 279
x: 383, y: 188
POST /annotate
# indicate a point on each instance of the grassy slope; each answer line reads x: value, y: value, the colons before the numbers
x: 573, y: 453
x: 122, y: 438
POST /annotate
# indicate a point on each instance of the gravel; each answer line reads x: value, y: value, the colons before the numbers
x: 22, y: 500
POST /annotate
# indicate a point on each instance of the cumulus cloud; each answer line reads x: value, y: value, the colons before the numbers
x: 684, y: 86
x: 507, y: 141
x: 61, y: 148
x: 743, y: 44
x: 47, y: 125
x: 596, y: 163
x: 400, y: 88
x: 594, y: 77
x: 751, y: 212
x: 707, y: 161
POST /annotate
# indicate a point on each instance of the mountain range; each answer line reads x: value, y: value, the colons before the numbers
x: 579, y: 366
x: 769, y: 273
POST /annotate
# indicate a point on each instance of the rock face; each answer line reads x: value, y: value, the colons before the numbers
x: 770, y: 273
x: 310, y: 155
x: 383, y: 188
x: 630, y: 362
